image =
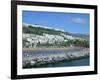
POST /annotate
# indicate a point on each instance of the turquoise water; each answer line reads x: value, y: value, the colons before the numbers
x: 79, y: 62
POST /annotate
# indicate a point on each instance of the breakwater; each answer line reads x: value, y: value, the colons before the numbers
x: 33, y: 58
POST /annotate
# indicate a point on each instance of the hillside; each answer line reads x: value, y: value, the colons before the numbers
x: 40, y: 30
x: 37, y: 36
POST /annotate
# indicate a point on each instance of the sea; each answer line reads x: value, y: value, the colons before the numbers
x: 80, y: 62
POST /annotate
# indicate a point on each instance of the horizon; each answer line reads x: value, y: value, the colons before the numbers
x: 77, y: 23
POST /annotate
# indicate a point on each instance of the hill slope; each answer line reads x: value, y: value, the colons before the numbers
x: 37, y: 36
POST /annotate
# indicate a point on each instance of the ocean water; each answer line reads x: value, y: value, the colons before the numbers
x: 80, y: 62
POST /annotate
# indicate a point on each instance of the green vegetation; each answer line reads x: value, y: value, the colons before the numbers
x: 81, y: 43
x: 39, y: 31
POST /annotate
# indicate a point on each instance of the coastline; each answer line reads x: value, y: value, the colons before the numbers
x: 64, y: 48
x: 66, y: 54
x: 54, y: 63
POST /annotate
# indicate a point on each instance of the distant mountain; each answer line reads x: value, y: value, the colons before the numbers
x: 81, y: 36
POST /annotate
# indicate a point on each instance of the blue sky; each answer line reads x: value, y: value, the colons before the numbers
x: 70, y: 22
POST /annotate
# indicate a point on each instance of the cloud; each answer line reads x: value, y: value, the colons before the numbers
x: 78, y: 20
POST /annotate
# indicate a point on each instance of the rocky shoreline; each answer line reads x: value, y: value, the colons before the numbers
x: 43, y: 59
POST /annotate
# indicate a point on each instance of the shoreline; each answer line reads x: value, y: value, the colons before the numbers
x: 64, y: 48
x: 39, y: 65
x: 70, y: 53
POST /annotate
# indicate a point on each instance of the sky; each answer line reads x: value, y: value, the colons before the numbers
x: 69, y: 22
